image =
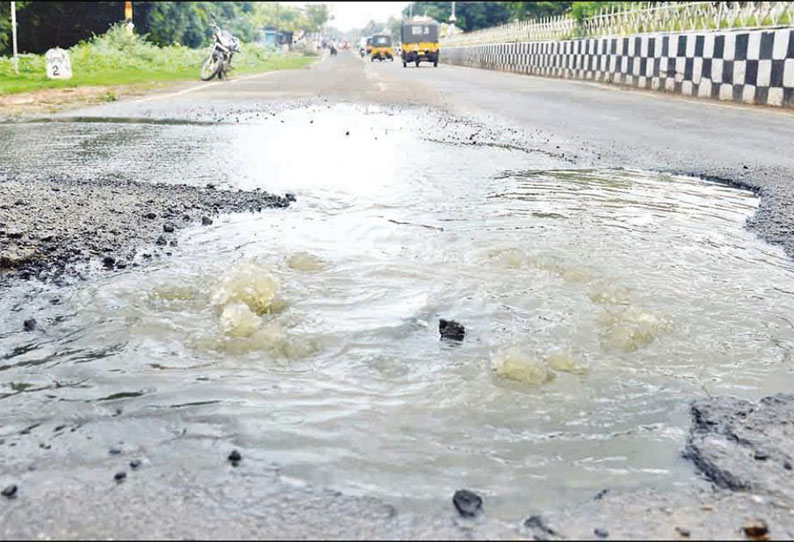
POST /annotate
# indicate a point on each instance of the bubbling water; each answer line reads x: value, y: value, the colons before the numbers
x: 251, y: 285
x: 303, y: 261
x: 515, y: 364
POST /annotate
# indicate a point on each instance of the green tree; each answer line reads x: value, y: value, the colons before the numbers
x: 470, y: 15
x: 393, y: 26
x: 42, y: 25
x: 371, y: 28
x: 582, y: 10
x: 536, y: 10
x: 317, y: 15
x: 275, y: 15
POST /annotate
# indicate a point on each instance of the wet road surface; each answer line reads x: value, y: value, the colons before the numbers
x: 305, y: 337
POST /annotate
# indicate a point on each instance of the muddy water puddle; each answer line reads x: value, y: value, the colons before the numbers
x: 597, y: 304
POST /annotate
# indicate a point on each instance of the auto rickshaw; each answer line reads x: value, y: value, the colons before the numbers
x: 419, y: 42
x: 381, y: 48
x: 369, y: 45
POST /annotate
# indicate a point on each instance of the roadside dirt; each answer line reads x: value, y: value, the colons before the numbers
x: 53, y: 100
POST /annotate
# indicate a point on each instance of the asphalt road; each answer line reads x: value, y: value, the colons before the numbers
x: 588, y: 125
x: 592, y: 124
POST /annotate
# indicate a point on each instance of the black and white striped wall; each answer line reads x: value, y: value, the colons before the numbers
x: 755, y: 67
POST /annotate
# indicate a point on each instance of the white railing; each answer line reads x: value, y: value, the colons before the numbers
x: 653, y: 17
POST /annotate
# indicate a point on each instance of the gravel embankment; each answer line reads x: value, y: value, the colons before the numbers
x: 48, y: 228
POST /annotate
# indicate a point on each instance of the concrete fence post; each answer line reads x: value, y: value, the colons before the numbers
x: 14, y: 36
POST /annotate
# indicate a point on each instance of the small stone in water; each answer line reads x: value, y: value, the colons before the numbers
x: 150, y: 216
x: 467, y: 502
x: 756, y: 528
x: 761, y: 455
x: 161, y: 241
x: 683, y: 532
x: 135, y: 463
x: 206, y: 221
x: 540, y: 531
x: 108, y: 261
x: 601, y: 533
x: 168, y: 227
x: 10, y: 491
x: 235, y: 457
x: 120, y: 476
x: 601, y: 494
x: 29, y: 324
x: 114, y: 451
x: 450, y: 329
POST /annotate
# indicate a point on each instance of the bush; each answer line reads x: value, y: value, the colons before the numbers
x: 116, y: 58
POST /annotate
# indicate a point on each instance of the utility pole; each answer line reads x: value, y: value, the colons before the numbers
x: 128, y: 17
x: 14, y: 35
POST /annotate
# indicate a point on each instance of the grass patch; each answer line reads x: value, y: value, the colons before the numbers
x: 117, y: 59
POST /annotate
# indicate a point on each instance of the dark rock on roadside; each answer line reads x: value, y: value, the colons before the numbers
x: 120, y: 476
x: 9, y: 492
x: 450, y: 329
x: 467, y: 502
x: 756, y: 529
x: 601, y: 494
x: 538, y: 528
x: 29, y: 324
x: 51, y: 237
x: 601, y: 532
x: 235, y: 457
x: 135, y: 463
x: 743, y: 445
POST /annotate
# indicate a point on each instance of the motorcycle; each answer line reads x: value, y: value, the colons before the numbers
x: 219, y: 61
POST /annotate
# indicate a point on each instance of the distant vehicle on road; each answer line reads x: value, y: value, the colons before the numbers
x: 219, y: 61
x: 419, y: 42
x: 381, y: 48
x: 368, y: 45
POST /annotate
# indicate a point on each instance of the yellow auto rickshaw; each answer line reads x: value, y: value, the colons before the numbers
x: 381, y: 48
x: 420, y: 42
x: 369, y: 45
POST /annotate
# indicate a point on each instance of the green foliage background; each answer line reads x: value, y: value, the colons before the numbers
x: 476, y: 15
x: 42, y: 25
x: 115, y: 58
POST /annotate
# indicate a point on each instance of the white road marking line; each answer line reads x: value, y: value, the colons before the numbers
x: 174, y: 94
x: 201, y: 86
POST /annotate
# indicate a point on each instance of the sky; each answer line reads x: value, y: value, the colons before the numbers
x: 349, y: 15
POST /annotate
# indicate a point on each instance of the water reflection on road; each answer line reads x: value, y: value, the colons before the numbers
x: 597, y: 304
